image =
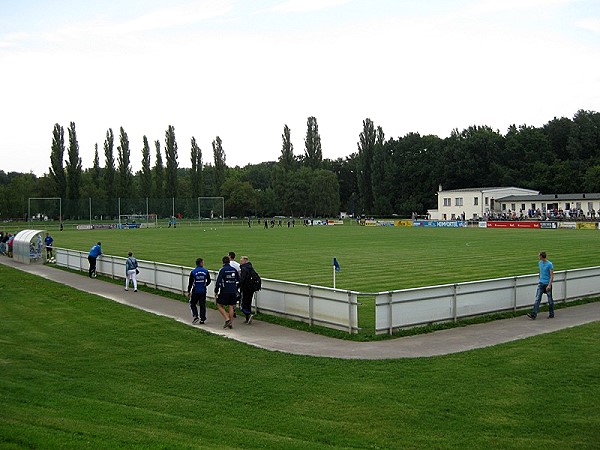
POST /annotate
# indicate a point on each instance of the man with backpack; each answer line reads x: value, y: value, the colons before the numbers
x: 249, y: 283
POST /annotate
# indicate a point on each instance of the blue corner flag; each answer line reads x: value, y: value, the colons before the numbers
x: 336, y: 265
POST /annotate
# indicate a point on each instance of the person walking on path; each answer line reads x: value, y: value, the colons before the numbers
x: 131, y: 270
x: 199, y: 279
x: 544, y: 287
x: 95, y: 252
x: 48, y: 242
x: 246, y: 288
x: 226, y: 288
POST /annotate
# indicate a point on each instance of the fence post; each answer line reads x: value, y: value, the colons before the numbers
x: 183, y: 285
x: 565, y: 296
x: 390, y: 318
x: 454, y: 314
x: 514, y: 294
x: 310, y: 305
x: 350, y: 315
x: 155, y: 275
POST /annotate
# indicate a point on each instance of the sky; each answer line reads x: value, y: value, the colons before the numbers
x: 242, y: 70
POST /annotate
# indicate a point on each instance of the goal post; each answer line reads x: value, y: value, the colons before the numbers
x: 44, y: 209
x: 211, y: 208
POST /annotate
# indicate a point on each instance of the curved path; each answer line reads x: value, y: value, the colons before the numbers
x: 277, y: 338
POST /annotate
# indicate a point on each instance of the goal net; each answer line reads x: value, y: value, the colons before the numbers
x: 44, y: 209
x: 137, y: 220
x: 211, y: 209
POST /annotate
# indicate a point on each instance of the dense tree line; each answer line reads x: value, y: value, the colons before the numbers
x: 383, y: 177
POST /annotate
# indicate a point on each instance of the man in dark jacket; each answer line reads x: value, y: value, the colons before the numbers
x: 199, y: 279
x: 226, y: 291
x: 246, y: 288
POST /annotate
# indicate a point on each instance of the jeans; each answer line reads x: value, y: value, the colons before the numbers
x: 246, y: 305
x: 92, y: 261
x: 198, y: 298
x: 541, y: 289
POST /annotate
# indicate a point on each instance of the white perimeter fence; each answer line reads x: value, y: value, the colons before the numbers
x: 315, y: 305
x: 420, y: 306
x: 338, y: 309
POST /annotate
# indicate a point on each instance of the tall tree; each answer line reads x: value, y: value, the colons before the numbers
x: 159, y: 173
x: 57, y: 170
x: 96, y: 167
x: 382, y: 183
x: 146, y: 172
x: 73, y: 165
x: 366, y: 150
x: 172, y: 164
x: 220, y: 164
x: 109, y: 164
x: 196, y: 175
x: 123, y: 160
x: 286, y: 160
x: 313, y: 155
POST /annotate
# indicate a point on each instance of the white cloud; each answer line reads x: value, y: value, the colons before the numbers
x: 292, y: 6
x: 494, y: 6
x: 590, y: 24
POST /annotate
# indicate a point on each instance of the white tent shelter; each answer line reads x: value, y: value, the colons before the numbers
x: 28, y: 247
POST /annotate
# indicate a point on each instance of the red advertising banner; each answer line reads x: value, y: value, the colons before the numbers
x: 513, y: 224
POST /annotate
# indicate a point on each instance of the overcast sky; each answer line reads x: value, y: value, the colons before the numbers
x: 242, y: 69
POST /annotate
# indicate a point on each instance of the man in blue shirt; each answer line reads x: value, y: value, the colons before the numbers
x: 226, y: 289
x: 94, y: 253
x: 199, y: 279
x: 48, y: 241
x: 544, y: 287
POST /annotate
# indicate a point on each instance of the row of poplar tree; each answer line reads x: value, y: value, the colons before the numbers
x: 380, y: 178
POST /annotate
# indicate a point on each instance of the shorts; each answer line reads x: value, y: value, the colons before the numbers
x: 227, y: 299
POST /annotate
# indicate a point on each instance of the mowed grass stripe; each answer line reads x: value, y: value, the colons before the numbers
x: 92, y: 373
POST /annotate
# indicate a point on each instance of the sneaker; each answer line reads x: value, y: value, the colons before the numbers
x: 195, y: 321
x: 227, y: 324
x: 230, y: 324
x: 250, y: 317
x: 126, y: 289
x: 551, y: 317
x: 531, y: 316
x: 201, y: 322
x: 135, y: 290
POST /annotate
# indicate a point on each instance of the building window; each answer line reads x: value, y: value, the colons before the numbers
x: 522, y: 206
x: 458, y: 201
x: 475, y: 201
x: 487, y: 201
x: 447, y: 202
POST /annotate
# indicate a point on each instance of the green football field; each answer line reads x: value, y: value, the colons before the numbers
x: 372, y: 259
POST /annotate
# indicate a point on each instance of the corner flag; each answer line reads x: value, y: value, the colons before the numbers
x: 336, y: 265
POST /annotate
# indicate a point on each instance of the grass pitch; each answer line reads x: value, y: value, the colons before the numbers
x: 372, y: 259
x: 79, y: 371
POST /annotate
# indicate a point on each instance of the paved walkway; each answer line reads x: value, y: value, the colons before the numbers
x: 277, y: 338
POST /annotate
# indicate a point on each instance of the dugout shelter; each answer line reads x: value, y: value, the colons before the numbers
x: 28, y: 247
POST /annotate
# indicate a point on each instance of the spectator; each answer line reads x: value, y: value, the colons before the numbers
x: 198, y: 281
x: 95, y: 252
x: 131, y: 270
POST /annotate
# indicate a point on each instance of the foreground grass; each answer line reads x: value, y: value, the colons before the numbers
x: 80, y: 371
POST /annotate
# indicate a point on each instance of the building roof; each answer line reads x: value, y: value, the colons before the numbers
x: 549, y: 197
x: 486, y: 189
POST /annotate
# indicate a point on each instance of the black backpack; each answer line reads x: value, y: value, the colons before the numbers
x: 254, y: 282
